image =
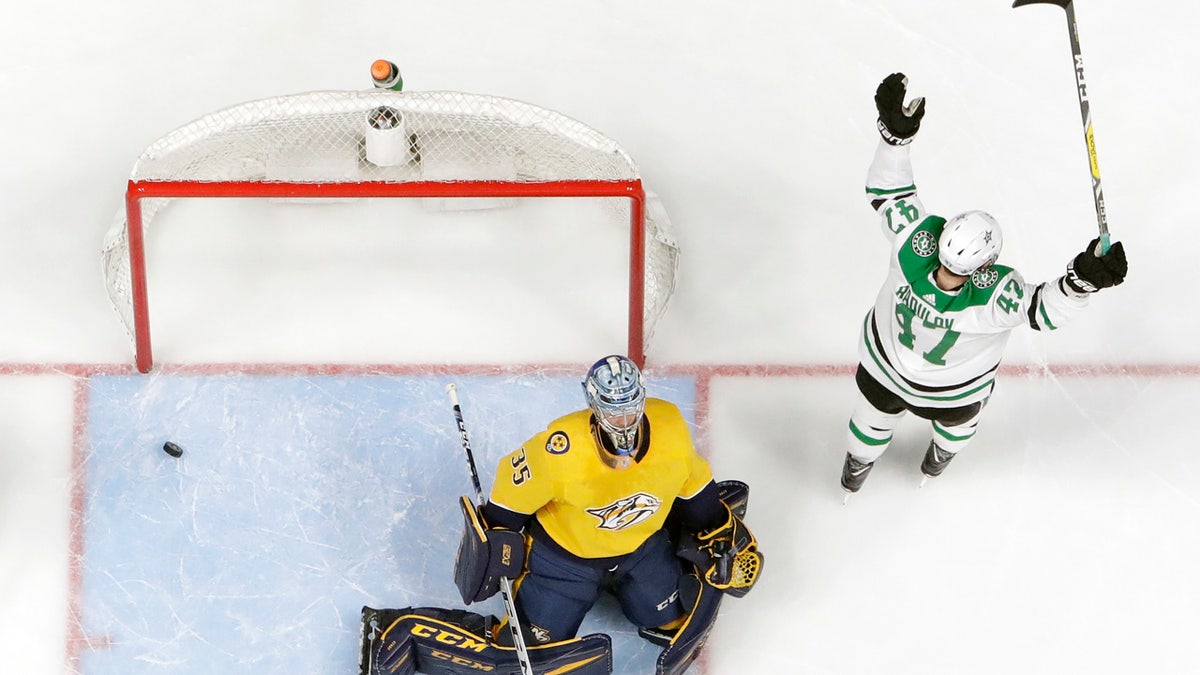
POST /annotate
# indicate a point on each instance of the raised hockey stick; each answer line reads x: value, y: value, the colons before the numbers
x: 505, y: 584
x: 1085, y: 112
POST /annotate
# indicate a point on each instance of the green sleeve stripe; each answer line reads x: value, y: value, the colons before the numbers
x: 867, y: 439
x: 889, y: 190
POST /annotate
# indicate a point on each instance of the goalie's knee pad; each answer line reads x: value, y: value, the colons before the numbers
x: 484, y: 556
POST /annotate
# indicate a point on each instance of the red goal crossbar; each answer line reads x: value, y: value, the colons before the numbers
x: 145, y: 189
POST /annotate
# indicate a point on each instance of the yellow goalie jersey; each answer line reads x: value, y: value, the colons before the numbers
x: 589, y: 508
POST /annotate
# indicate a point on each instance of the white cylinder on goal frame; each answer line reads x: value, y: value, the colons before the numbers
x: 450, y: 145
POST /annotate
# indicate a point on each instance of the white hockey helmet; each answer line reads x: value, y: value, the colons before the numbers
x: 615, y: 393
x: 969, y: 241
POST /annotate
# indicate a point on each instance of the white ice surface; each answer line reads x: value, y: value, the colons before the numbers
x: 1066, y: 542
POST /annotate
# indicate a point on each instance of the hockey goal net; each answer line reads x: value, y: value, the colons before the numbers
x: 346, y: 145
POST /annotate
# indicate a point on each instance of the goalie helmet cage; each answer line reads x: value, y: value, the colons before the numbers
x: 386, y: 144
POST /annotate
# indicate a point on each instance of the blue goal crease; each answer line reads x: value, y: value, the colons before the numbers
x: 297, y: 500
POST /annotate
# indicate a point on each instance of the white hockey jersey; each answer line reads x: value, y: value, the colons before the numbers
x: 934, y: 348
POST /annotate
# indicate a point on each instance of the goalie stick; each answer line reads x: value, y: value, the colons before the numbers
x: 505, y: 584
x: 1085, y: 112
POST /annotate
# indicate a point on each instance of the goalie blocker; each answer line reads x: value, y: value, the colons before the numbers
x: 485, y: 555
x: 457, y: 642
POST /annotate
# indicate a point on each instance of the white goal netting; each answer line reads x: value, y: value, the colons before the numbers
x: 459, y: 147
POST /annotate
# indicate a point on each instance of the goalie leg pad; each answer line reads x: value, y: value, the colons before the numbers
x: 400, y: 655
x: 687, y: 642
x: 454, y: 642
x: 485, y: 555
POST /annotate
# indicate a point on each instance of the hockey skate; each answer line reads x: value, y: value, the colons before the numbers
x: 854, y: 474
x: 935, y: 462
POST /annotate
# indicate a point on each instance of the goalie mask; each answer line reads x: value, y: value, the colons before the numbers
x: 969, y: 241
x: 615, y: 393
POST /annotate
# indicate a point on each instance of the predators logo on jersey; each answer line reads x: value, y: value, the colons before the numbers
x: 626, y: 512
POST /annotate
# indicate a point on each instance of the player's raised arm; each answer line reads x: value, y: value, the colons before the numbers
x: 891, y: 188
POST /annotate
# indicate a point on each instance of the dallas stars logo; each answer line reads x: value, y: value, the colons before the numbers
x: 985, y: 277
x: 924, y: 243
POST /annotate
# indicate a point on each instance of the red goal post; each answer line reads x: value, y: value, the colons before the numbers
x: 386, y: 144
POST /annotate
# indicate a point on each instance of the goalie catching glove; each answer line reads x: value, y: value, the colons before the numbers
x: 726, y: 556
x: 485, y: 555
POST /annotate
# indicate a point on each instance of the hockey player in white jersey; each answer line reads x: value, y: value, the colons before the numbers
x: 932, y: 343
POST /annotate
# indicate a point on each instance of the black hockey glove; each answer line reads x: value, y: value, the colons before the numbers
x: 1090, y: 272
x: 898, y: 123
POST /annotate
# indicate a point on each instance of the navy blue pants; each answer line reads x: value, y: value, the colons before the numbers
x: 558, y: 590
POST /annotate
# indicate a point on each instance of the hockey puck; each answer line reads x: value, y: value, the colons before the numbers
x: 172, y: 449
